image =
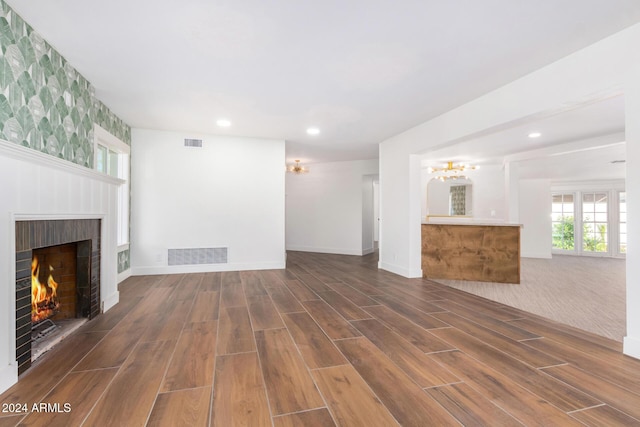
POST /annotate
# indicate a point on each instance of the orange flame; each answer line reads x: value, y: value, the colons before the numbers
x: 44, y: 301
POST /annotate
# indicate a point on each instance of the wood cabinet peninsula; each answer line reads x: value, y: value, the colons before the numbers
x: 481, y: 252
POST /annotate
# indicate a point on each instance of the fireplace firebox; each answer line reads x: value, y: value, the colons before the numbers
x: 57, y: 280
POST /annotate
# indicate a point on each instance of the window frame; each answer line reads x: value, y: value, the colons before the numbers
x: 619, y: 222
x: 578, y: 189
x: 575, y: 238
x: 121, y: 152
x: 595, y: 222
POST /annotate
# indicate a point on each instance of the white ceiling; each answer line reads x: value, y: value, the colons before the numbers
x: 360, y: 70
x: 578, y: 144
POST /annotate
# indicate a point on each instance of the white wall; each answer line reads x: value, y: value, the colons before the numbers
x: 229, y: 193
x: 535, y: 216
x: 605, y: 68
x: 36, y: 186
x: 325, y: 207
x: 488, y: 193
x: 632, y: 130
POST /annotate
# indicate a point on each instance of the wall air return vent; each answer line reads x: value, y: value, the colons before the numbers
x: 193, y: 142
x: 194, y: 256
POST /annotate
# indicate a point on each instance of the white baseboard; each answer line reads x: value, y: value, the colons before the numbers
x: 320, y: 250
x: 401, y: 271
x: 8, y: 376
x: 543, y: 255
x: 110, y: 301
x: 204, y: 268
x: 124, y: 275
x: 631, y: 347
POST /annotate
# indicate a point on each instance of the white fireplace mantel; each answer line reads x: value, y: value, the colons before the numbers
x: 18, y: 152
x: 37, y: 186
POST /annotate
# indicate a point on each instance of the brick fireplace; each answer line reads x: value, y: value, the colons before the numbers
x: 73, y: 247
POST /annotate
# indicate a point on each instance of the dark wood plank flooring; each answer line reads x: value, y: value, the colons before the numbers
x: 330, y: 340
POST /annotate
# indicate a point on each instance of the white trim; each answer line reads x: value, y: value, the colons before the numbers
x: 111, y: 141
x: 110, y: 301
x: 401, y: 271
x: 578, y: 189
x: 544, y: 255
x: 616, y: 219
x: 631, y: 347
x: 582, y: 186
x: 205, y: 268
x: 581, y: 145
x: 55, y: 216
x: 124, y: 275
x: 9, y: 373
x: 12, y: 368
x: 321, y: 250
x: 18, y: 152
x: 584, y: 254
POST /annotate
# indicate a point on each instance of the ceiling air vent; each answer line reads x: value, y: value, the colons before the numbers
x: 193, y: 142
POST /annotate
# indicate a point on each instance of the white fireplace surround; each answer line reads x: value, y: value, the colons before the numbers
x: 37, y: 186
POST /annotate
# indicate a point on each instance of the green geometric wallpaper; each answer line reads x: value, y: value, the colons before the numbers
x: 110, y: 122
x: 124, y: 261
x: 45, y: 104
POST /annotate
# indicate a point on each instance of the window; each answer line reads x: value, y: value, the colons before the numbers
x: 622, y: 211
x: 562, y: 219
x: 112, y: 158
x: 108, y: 160
x: 101, y: 158
x: 594, y: 222
x: 590, y: 221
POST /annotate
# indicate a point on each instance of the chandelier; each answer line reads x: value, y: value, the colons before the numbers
x: 451, y: 171
x: 297, y: 168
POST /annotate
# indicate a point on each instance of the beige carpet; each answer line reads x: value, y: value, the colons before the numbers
x: 586, y: 292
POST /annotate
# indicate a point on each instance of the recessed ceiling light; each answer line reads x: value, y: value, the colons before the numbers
x: 535, y: 135
x: 313, y: 131
x: 223, y: 123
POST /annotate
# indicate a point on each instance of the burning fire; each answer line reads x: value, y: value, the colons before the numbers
x: 44, y: 301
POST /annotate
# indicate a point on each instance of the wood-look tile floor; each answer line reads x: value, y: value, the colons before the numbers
x: 331, y: 340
